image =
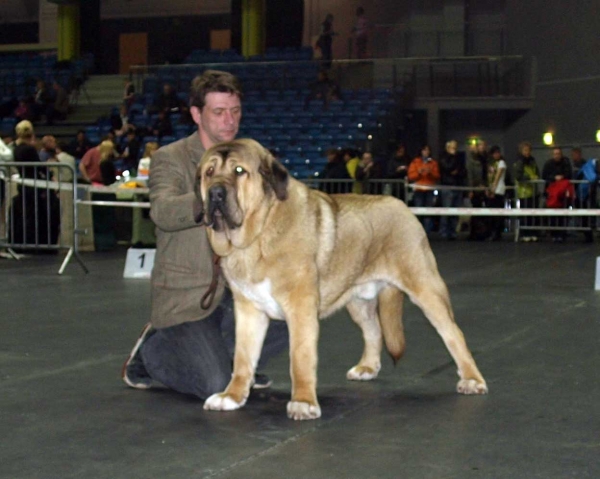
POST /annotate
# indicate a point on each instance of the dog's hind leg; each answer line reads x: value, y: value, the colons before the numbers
x: 434, y: 301
x: 391, y: 302
x: 364, y: 313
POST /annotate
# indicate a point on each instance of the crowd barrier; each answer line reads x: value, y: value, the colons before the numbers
x: 38, y: 209
x: 40, y: 206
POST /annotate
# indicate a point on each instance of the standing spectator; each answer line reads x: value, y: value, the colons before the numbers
x: 6, y: 154
x: 351, y: 160
x: 477, y: 178
x: 369, y: 169
x: 186, y: 347
x: 41, y: 99
x: 89, y: 166
x: 60, y: 107
x: 325, y: 41
x: 497, y: 190
x: 64, y: 174
x: 526, y: 173
x: 108, y: 171
x: 360, y: 33
x: 80, y: 145
x: 397, y: 169
x: 587, y: 171
x: 131, y: 151
x: 143, y: 169
x: 335, y: 169
x: 453, y: 173
x: 424, y: 171
x: 48, y: 150
x: 559, y: 191
x: 128, y: 93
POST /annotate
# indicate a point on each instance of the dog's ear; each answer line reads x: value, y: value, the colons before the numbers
x: 275, y: 176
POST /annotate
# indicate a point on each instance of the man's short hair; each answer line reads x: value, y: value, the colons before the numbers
x: 213, y: 81
x: 576, y: 149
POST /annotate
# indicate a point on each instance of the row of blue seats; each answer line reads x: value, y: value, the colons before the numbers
x: 271, y: 54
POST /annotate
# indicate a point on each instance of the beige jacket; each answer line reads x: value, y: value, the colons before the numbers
x: 183, y: 264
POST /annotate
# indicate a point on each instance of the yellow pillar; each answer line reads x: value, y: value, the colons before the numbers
x: 68, y: 31
x: 253, y: 27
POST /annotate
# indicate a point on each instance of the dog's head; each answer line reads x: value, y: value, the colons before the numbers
x: 238, y: 182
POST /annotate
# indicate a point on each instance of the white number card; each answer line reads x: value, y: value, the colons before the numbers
x: 139, y: 263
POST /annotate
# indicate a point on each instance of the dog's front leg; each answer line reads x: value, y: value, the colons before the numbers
x: 250, y: 329
x: 303, y: 325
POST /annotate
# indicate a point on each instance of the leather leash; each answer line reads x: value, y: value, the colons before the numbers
x: 209, y: 296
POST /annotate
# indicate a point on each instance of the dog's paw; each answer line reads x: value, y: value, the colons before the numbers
x: 299, y: 411
x: 222, y: 402
x: 471, y: 386
x: 362, y: 373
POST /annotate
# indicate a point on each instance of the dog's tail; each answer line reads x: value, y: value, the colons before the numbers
x: 391, y: 301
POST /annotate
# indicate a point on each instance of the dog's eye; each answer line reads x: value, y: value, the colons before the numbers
x: 239, y: 171
x: 209, y: 172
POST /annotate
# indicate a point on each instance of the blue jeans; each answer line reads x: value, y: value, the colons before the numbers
x: 197, y: 357
x: 424, y: 198
x: 450, y: 199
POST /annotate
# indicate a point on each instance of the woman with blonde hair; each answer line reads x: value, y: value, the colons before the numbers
x: 107, y: 166
x: 144, y: 165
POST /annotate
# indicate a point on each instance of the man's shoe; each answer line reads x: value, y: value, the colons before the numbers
x: 261, y: 381
x: 134, y: 372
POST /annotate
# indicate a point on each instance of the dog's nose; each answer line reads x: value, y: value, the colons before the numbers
x: 217, y: 193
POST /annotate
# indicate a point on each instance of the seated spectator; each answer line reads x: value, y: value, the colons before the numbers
x: 41, y: 100
x: 556, y: 173
x: 58, y: 109
x: 324, y: 89
x: 120, y: 122
x: 335, y: 169
x: 63, y: 174
x: 369, y: 169
x: 48, y: 150
x: 497, y: 190
x: 167, y: 101
x: 162, y: 126
x: 80, y: 145
x: 526, y: 171
x: 23, y: 111
x: 424, y: 171
x: 143, y: 169
x: 131, y: 151
x: 453, y: 173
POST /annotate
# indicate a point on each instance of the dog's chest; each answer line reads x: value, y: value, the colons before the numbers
x: 260, y: 294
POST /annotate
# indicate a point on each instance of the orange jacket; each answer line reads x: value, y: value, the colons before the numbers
x: 424, y: 173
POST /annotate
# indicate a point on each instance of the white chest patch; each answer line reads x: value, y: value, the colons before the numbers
x: 261, y: 296
x: 367, y: 291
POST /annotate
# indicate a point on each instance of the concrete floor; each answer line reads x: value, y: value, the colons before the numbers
x: 528, y: 311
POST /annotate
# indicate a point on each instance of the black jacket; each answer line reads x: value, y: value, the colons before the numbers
x: 554, y: 168
x: 453, y: 170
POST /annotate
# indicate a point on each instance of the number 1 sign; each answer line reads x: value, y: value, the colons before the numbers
x: 139, y: 263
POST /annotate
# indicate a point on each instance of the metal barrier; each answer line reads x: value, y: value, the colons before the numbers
x: 39, y: 209
x: 532, y: 194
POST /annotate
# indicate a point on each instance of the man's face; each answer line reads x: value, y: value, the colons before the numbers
x: 400, y: 151
x: 219, y: 120
x: 556, y: 154
x: 576, y: 157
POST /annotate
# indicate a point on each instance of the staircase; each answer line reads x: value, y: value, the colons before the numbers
x: 97, y: 97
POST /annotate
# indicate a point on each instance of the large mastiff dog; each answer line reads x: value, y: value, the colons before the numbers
x: 293, y: 253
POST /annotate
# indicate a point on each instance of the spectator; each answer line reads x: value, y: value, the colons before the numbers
x: 477, y: 178
x: 89, y: 166
x: 453, y: 173
x: 367, y: 170
x: 167, y: 101
x: 335, y: 169
x: 108, y: 172
x: 60, y: 107
x: 63, y: 174
x: 131, y: 151
x: 556, y: 173
x: 587, y: 171
x: 144, y: 165
x: 6, y: 154
x: 187, y: 348
x: 80, y: 145
x: 497, y: 190
x: 351, y: 160
x: 526, y: 173
x: 48, y: 150
x: 325, y: 41
x: 324, y: 89
x: 41, y: 100
x: 425, y: 173
x: 23, y: 111
x: 120, y: 122
x: 162, y: 126
x: 360, y: 33
x: 128, y: 93
x: 397, y: 169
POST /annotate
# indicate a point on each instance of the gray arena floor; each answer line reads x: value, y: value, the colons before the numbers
x: 529, y: 313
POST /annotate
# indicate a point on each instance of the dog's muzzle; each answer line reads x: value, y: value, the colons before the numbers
x: 218, y: 213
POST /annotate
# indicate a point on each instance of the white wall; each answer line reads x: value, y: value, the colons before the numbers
x: 162, y: 8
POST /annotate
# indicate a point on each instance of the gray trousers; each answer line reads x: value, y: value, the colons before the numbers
x: 197, y: 357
